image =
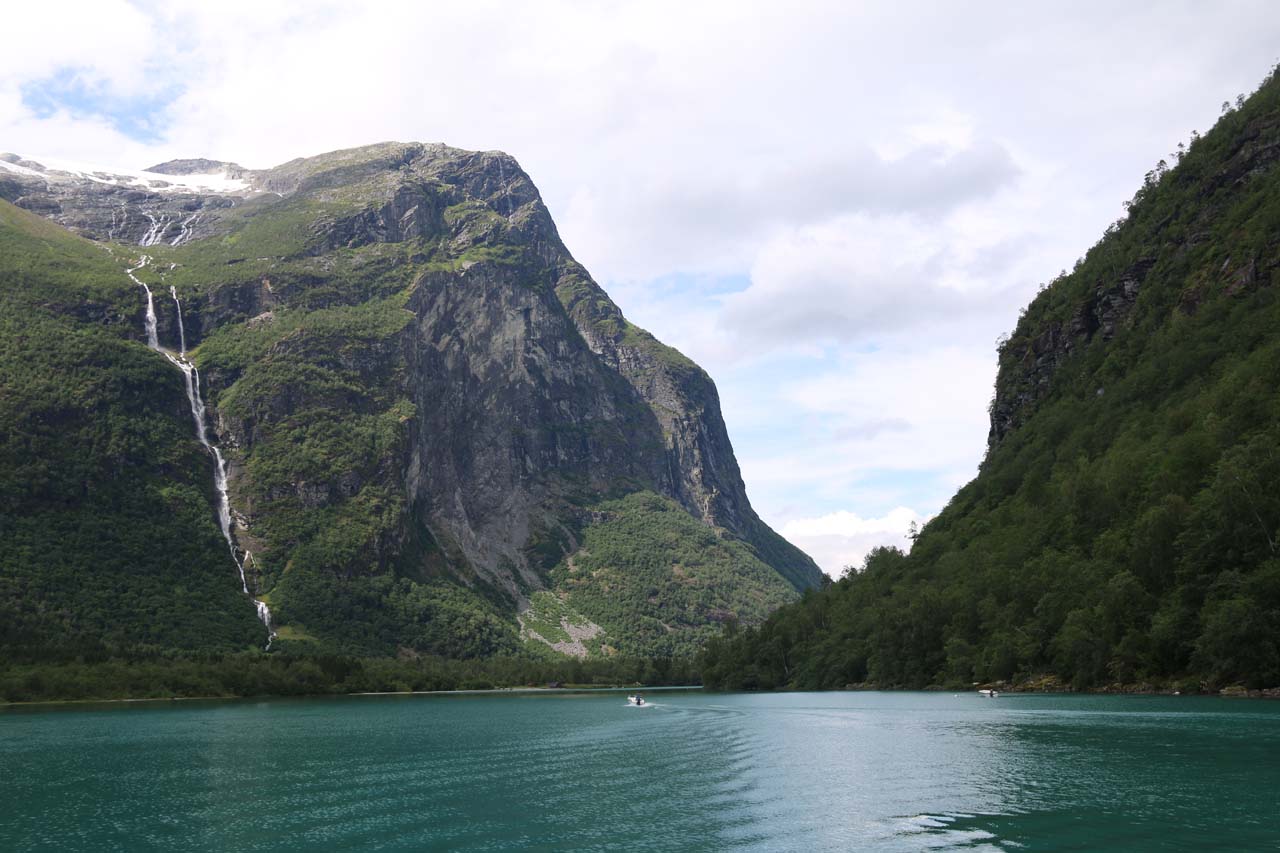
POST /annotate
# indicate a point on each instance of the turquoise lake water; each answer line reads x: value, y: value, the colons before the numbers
x: 694, y: 771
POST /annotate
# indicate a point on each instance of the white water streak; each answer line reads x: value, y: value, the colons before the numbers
x: 119, y: 219
x: 150, y: 319
x: 156, y: 232
x: 191, y: 377
x: 182, y: 334
x: 188, y: 226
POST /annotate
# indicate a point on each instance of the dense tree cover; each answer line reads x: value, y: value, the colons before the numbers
x: 376, y: 614
x: 659, y: 581
x: 1128, y: 528
x: 257, y: 674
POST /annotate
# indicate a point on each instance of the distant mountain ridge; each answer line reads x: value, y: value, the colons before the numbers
x: 426, y: 405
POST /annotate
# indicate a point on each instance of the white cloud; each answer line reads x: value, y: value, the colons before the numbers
x: 108, y: 42
x: 849, y: 279
x: 843, y: 538
x: 710, y: 220
x: 895, y: 426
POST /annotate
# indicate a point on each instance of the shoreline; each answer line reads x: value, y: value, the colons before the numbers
x: 1042, y: 688
x: 233, y: 697
x: 1052, y: 686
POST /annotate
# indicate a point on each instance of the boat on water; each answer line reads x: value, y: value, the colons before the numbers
x: 635, y: 700
x: 989, y: 694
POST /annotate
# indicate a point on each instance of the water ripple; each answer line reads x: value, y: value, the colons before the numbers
x: 769, y: 772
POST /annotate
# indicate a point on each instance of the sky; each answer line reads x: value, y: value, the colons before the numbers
x: 835, y: 208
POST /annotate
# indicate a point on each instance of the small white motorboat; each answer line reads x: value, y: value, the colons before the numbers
x: 635, y: 700
x: 989, y: 694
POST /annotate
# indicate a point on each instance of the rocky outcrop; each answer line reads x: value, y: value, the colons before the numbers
x: 502, y: 374
x: 1028, y: 364
x: 1031, y: 358
x: 517, y: 419
x: 198, y: 166
x: 413, y: 211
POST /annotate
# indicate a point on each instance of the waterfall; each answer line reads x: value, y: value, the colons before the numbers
x: 187, y: 225
x: 153, y: 340
x: 119, y: 219
x: 156, y: 231
x: 182, y: 335
x: 224, y: 511
x: 264, y: 615
x: 191, y: 378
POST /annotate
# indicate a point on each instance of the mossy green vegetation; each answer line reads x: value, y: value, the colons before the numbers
x: 380, y: 614
x: 339, y: 332
x: 1125, y: 529
x: 660, y: 582
x: 547, y: 615
x: 215, y: 279
x: 670, y: 357
x: 49, y: 269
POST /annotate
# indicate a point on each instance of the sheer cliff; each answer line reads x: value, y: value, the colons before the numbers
x: 428, y: 408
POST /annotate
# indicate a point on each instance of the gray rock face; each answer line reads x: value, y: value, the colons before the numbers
x: 197, y: 166
x: 516, y: 415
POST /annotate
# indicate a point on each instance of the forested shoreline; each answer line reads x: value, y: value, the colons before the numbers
x: 256, y: 674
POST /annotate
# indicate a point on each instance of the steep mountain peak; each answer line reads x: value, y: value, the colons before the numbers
x: 432, y: 417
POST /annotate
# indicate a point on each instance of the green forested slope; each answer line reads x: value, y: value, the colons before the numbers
x: 106, y: 534
x: 1125, y: 524
x: 660, y: 582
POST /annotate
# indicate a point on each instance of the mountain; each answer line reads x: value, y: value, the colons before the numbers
x: 1124, y: 526
x: 440, y: 435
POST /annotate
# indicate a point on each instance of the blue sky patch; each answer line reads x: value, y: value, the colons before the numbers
x: 70, y: 90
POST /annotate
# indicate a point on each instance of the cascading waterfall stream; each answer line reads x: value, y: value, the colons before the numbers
x: 191, y: 377
x: 182, y: 334
x: 188, y: 227
x: 156, y: 232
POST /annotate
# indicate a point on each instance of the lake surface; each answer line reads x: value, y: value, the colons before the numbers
x: 694, y: 771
